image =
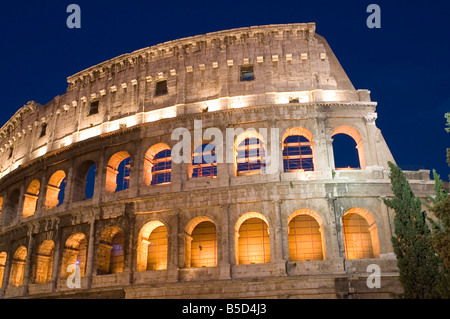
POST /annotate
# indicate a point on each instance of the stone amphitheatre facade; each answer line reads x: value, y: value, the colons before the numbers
x: 157, y: 228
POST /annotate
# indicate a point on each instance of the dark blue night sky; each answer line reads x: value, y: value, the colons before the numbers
x: 405, y: 64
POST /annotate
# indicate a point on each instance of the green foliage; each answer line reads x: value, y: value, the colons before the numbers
x: 418, y: 263
x: 440, y: 194
x: 441, y: 231
x: 447, y: 115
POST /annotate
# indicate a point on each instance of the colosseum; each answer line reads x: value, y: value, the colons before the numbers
x: 95, y: 203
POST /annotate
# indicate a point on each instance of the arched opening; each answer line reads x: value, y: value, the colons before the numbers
x: 110, y: 251
x: 75, y: 253
x: 360, y: 234
x: 158, y: 165
x: 253, y: 241
x: 118, y: 172
x: 305, y: 236
x: 204, y: 161
x: 31, y: 198
x: 152, y: 247
x: 18, y: 267
x: 11, y: 206
x: 43, y: 264
x: 348, y: 149
x: 55, y: 190
x: 84, y: 181
x: 250, y: 155
x: 297, y: 152
x: 90, y: 182
x: 201, y: 243
x: 3, y: 256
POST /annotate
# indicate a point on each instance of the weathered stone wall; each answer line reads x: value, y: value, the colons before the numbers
x: 295, y: 63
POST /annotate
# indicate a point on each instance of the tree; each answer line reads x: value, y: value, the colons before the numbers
x: 447, y: 129
x: 417, y: 261
x: 441, y: 228
x: 441, y: 231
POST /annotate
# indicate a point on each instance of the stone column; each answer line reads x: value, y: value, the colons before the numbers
x: 338, y: 251
x: 130, y: 247
x: 99, y: 185
x: 223, y: 173
x: 371, y: 130
x: 323, y: 147
x: 273, y: 148
x: 136, y: 178
x: 91, y: 249
x: 68, y: 191
x: 7, y: 271
x: 284, y: 230
x: 19, y: 211
x: 57, y: 257
x: 40, y: 206
x: 28, y: 270
x: 388, y: 229
x: 278, y: 237
x: 172, y: 249
x: 187, y: 250
x: 223, y: 245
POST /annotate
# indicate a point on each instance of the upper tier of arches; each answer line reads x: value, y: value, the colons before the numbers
x: 297, y: 154
x: 181, y: 77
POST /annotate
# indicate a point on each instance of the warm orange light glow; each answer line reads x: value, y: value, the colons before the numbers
x: 157, y: 249
x: 2, y: 266
x: 204, y: 245
x: 110, y: 258
x: 112, y: 170
x: 90, y: 132
x: 31, y: 197
x: 254, y: 242
x: 75, y: 252
x: 18, y: 267
x: 51, y: 198
x: 357, y: 237
x: 305, y: 239
x: 43, y: 264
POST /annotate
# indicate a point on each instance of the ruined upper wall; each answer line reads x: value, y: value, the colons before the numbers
x: 290, y: 63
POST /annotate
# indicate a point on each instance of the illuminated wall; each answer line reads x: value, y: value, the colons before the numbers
x: 305, y: 239
x: 53, y: 189
x: 31, y: 197
x: 254, y: 242
x: 43, y: 264
x: 358, y: 242
x: 152, y: 247
x: 204, y: 245
x: 18, y: 267
x: 74, y: 253
x: 110, y: 259
x: 3, y: 256
x: 157, y: 249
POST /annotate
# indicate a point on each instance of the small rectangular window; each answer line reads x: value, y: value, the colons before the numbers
x: 93, y: 108
x: 161, y: 88
x: 247, y: 73
x: 43, y: 130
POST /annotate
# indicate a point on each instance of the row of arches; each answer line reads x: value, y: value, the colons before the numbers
x: 252, y: 245
x: 250, y: 151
